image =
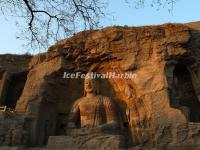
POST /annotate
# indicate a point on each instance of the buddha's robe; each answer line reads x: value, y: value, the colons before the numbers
x: 92, y: 112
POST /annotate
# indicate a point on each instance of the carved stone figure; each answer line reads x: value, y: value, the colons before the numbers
x: 93, y: 110
x: 136, y: 115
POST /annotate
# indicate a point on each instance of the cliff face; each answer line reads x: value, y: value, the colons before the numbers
x: 159, y: 108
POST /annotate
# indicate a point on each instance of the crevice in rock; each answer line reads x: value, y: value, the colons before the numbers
x: 15, y: 89
x: 184, y: 95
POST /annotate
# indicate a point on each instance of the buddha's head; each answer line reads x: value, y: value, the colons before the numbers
x: 90, y: 85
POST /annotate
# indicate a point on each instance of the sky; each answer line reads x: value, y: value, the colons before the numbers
x: 119, y: 13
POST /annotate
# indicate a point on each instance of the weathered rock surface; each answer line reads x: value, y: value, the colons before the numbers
x: 89, y: 142
x: 13, y: 72
x: 159, y: 109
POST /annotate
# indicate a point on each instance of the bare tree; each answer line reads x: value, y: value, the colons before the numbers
x: 47, y: 21
x: 43, y: 22
x: 157, y: 4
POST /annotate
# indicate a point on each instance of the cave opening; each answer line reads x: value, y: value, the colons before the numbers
x: 15, y: 89
x: 185, y: 91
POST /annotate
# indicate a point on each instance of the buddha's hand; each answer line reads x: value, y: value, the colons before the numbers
x: 71, y: 125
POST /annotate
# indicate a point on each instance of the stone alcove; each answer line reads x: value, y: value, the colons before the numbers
x: 56, y: 100
x: 15, y: 89
x: 182, y: 90
x: 62, y: 93
x: 12, y: 85
x: 186, y: 91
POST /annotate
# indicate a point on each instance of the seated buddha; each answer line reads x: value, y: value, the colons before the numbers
x: 93, y: 111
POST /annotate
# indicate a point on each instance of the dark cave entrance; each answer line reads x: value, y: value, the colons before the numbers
x: 15, y: 88
x: 185, y: 93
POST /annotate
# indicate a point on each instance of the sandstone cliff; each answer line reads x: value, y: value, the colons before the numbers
x: 165, y: 110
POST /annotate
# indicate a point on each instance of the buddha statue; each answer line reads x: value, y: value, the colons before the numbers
x: 138, y: 116
x: 93, y: 111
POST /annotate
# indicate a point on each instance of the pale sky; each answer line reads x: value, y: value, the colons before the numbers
x: 184, y: 11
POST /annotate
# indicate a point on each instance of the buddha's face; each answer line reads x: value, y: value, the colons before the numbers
x: 89, y: 85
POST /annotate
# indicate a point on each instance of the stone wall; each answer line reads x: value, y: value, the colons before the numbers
x: 164, y: 104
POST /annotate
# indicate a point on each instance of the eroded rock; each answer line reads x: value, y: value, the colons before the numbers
x: 159, y: 109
